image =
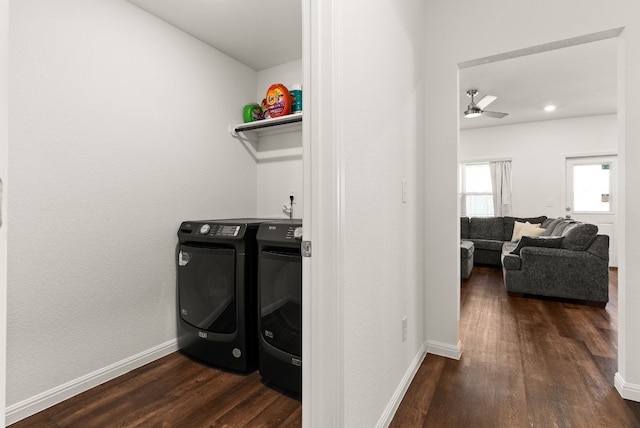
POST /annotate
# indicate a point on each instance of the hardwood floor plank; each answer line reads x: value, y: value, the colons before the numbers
x: 174, y: 391
x: 276, y: 413
x: 217, y: 406
x: 135, y: 403
x: 294, y: 420
x: 419, y: 394
x: 247, y: 409
x: 526, y: 362
x: 169, y: 406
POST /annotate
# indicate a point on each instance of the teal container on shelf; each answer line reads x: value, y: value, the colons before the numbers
x: 296, y: 98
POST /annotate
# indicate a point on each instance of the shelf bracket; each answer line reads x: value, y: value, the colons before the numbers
x: 249, y: 135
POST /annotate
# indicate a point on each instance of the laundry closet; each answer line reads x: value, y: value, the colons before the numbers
x: 121, y: 126
x: 230, y: 271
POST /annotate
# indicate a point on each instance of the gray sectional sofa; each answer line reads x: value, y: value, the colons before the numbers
x: 568, y: 260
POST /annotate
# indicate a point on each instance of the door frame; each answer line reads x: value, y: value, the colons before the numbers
x: 4, y: 166
x: 615, y: 188
x: 323, y: 218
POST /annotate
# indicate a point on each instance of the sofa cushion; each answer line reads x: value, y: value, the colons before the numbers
x: 466, y: 249
x: 525, y: 229
x: 487, y: 244
x: 509, y: 222
x: 464, y: 228
x: 538, y: 241
x: 550, y: 224
x: 485, y: 228
x: 579, y: 236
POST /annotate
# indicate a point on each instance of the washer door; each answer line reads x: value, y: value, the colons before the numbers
x: 206, y: 288
x: 281, y: 301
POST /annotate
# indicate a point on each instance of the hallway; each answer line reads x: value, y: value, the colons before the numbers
x: 526, y: 362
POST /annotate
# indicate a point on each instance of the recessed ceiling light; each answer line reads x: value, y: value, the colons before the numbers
x: 550, y: 108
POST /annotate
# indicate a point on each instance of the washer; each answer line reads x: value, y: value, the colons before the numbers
x: 280, y: 304
x: 216, y: 292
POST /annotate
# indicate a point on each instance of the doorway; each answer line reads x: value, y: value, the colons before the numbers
x: 504, y: 76
x: 592, y: 195
x: 522, y: 84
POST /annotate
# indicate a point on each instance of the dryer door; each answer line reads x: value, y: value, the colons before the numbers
x: 206, y: 288
x: 281, y: 301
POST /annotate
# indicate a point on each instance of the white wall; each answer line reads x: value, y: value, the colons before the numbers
x: 4, y: 64
x: 118, y: 132
x: 448, y: 46
x: 377, y: 107
x: 278, y: 177
x: 287, y: 74
x: 538, y: 151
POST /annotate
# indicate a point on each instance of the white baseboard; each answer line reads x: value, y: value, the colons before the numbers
x: 444, y: 349
x: 628, y: 391
x: 44, y: 400
x: 401, y: 390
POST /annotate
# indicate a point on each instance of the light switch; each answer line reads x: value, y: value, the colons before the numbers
x: 404, y: 191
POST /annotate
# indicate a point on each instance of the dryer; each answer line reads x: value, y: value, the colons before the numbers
x: 216, y: 292
x: 280, y: 304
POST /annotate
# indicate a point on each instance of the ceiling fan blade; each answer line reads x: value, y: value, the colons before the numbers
x: 495, y: 114
x: 485, y: 101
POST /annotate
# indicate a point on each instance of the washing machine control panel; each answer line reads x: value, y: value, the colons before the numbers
x: 225, y: 230
x: 222, y: 230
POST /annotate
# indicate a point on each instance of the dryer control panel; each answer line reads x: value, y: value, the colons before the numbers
x: 281, y: 233
x: 227, y: 230
x: 207, y: 230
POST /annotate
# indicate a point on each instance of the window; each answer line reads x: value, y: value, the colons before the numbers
x: 476, y: 191
x: 592, y: 188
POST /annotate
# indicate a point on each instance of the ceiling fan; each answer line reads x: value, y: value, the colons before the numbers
x: 477, y: 109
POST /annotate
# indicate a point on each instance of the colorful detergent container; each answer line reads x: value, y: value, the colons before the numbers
x: 278, y: 100
x: 252, y: 112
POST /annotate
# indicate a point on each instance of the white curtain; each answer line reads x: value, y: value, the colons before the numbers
x: 463, y: 205
x: 501, y: 187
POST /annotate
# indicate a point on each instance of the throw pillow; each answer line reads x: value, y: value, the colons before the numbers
x: 509, y: 222
x: 580, y: 236
x: 538, y: 241
x: 525, y: 229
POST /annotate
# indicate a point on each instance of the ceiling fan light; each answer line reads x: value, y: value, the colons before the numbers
x: 472, y: 112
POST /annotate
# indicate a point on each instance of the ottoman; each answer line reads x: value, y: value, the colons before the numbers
x: 466, y: 258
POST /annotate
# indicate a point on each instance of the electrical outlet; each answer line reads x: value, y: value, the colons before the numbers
x: 404, y: 328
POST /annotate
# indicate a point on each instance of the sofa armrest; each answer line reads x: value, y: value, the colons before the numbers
x: 600, y: 247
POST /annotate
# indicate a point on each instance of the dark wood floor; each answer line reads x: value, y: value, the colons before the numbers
x: 526, y: 363
x: 175, y: 392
